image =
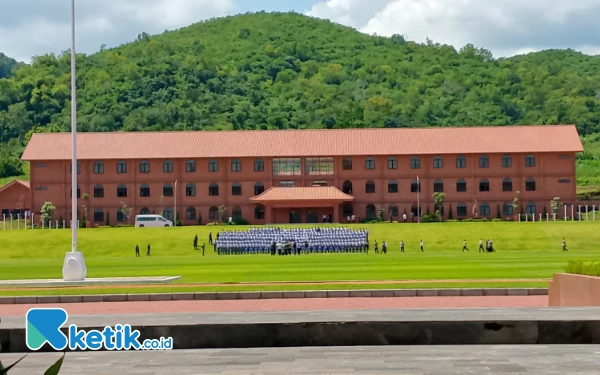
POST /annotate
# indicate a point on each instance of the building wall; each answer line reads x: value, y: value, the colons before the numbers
x: 50, y: 181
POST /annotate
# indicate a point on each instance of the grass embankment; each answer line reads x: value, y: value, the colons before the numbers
x: 526, y: 251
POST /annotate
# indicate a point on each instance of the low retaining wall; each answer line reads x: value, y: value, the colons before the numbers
x: 208, y: 296
x: 574, y: 290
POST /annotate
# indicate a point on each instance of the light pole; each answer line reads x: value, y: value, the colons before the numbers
x: 418, y: 200
x: 175, y: 205
x: 74, y: 268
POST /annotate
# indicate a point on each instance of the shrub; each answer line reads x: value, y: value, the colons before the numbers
x: 179, y: 223
x: 467, y: 220
x: 451, y: 221
x: 240, y: 221
x: 497, y: 220
x: 580, y: 268
x: 498, y: 215
x: 103, y: 226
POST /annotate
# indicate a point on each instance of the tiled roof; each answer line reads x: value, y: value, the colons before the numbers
x: 13, y: 182
x: 288, y: 143
x: 313, y: 193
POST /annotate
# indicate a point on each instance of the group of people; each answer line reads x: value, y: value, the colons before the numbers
x: 291, y: 241
x: 489, y: 246
x: 137, y: 250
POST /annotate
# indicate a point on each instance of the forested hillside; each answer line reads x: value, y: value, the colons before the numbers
x: 6, y: 65
x: 278, y: 71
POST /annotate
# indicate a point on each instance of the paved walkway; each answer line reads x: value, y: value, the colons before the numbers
x: 304, y: 304
x: 386, y: 360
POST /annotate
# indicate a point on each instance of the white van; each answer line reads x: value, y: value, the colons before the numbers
x: 152, y: 221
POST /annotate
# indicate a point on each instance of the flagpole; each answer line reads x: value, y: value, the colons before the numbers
x: 418, y: 200
x: 73, y: 134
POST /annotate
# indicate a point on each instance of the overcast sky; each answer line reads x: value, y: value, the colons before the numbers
x: 506, y: 27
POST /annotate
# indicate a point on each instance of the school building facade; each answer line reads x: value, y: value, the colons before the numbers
x: 301, y: 176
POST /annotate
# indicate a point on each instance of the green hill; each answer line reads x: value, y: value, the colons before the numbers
x: 6, y: 65
x: 285, y: 70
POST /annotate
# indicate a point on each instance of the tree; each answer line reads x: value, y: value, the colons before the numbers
x: 47, y: 211
x: 126, y: 211
x: 85, y: 197
x: 438, y: 198
x: 515, y: 203
x: 450, y: 215
x: 223, y: 214
x: 381, y: 213
x: 498, y: 212
x: 555, y: 205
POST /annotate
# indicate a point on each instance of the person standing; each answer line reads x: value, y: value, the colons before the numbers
x: 401, y: 246
x: 465, y: 246
x: 404, y: 218
x: 137, y: 251
x: 196, y: 242
x: 422, y: 245
x: 564, y: 245
x: 384, y: 247
x: 148, y: 251
x: 376, y: 247
x: 210, y: 241
x: 481, y: 246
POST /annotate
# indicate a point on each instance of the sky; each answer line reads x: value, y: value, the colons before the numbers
x: 506, y: 27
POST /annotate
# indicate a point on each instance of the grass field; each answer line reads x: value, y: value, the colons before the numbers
x: 527, y: 253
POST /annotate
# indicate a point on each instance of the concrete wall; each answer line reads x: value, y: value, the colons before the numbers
x: 53, y: 181
x: 574, y: 290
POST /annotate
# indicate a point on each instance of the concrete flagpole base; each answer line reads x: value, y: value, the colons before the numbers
x: 74, y: 268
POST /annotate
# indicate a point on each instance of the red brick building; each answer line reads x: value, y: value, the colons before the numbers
x: 279, y: 176
x: 15, y: 199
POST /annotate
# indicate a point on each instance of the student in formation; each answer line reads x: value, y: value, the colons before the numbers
x: 465, y: 246
x: 481, y: 250
x: 401, y: 246
x: 564, y: 245
x: 376, y: 247
x: 422, y: 245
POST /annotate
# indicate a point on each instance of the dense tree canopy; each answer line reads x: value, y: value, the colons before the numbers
x: 278, y: 71
x: 6, y: 65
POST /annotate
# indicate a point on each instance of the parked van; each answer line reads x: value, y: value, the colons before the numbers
x: 152, y: 221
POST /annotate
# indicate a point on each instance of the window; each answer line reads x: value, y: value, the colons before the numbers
x: 122, y: 191
x: 287, y: 167
x: 145, y: 211
x: 392, y: 163
x: 41, y: 188
x: 484, y: 209
x: 393, y: 210
x: 347, y: 210
x: 213, y: 165
x: 370, y: 212
x: 121, y: 217
x: 415, y: 162
x: 530, y: 184
x: 370, y: 187
x: 347, y: 187
x: 461, y: 161
x: 530, y: 161
x: 98, y: 191
x: 190, y: 213
x: 190, y: 190
x: 71, y: 168
x: 506, y: 161
x: 369, y: 163
x: 259, y: 188
x: 168, y: 213
x: 564, y: 156
x: 167, y: 166
x: 144, y: 190
x: 507, y: 209
x: 190, y: 166
x: 121, y: 167
x: 461, y: 186
x: 259, y: 212
x: 236, y: 213
x: 213, y: 214
x: 438, y: 162
x: 415, y: 186
x: 41, y: 165
x: 287, y: 183
x: 507, y: 184
x: 259, y: 165
x: 98, y: 167
x: 484, y: 161
x: 461, y: 210
x: 484, y: 185
x: 167, y: 190
x: 70, y: 192
x: 438, y: 186
x: 144, y: 166
x: 319, y: 166
x: 347, y: 164
x: 213, y: 190
x: 236, y: 189
x: 98, y: 215
x: 236, y: 165
x: 564, y: 181
x: 392, y: 186
x: 530, y: 208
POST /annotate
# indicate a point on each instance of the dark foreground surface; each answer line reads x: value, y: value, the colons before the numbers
x: 227, y: 330
x: 389, y: 360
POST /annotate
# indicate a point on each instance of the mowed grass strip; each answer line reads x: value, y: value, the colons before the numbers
x: 524, y: 250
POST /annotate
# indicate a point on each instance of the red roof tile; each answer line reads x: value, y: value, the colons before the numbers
x: 287, y: 143
x: 312, y: 193
x: 13, y: 182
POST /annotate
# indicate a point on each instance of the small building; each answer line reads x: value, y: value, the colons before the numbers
x: 298, y: 176
x: 15, y: 199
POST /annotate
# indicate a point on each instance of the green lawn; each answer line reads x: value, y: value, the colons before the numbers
x: 525, y: 251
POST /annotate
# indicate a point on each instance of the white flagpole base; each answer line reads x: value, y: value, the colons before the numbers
x: 74, y: 268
